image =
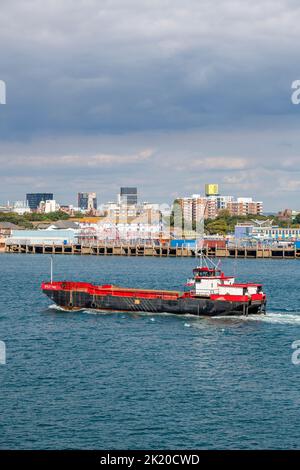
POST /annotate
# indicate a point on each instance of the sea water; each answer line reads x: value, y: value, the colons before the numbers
x: 90, y: 380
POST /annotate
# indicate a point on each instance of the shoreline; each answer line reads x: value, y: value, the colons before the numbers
x: 160, y: 251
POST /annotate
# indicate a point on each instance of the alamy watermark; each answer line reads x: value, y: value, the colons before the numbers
x: 295, y: 97
x: 296, y: 354
x: 2, y: 101
x: 2, y: 92
x: 2, y: 352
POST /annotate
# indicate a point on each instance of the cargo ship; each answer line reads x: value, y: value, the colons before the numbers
x: 209, y: 293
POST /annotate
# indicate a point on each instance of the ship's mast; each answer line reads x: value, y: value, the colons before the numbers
x: 203, y: 259
x: 51, y: 269
x: 200, y: 238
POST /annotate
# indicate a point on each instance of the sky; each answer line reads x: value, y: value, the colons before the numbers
x: 164, y: 95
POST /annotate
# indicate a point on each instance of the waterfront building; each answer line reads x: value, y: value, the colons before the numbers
x: 33, y: 200
x: 87, y: 201
x: 110, y: 231
x: 264, y: 230
x: 6, y: 229
x: 49, y: 236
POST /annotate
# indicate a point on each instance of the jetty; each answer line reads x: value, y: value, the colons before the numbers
x: 156, y: 250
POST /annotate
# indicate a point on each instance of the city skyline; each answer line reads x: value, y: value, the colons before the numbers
x: 149, y: 231
x: 126, y: 196
x: 161, y: 95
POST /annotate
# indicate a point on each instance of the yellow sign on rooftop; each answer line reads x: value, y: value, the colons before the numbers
x: 211, y: 189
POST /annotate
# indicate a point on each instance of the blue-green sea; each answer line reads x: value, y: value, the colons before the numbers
x: 90, y: 380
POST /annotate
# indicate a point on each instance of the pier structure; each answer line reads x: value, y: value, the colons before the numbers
x: 156, y: 250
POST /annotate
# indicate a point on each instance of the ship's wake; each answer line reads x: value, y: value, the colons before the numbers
x: 62, y: 309
x: 270, y: 317
x: 56, y: 307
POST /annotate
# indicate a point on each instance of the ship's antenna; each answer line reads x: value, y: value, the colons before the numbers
x: 51, y: 269
x: 201, y: 237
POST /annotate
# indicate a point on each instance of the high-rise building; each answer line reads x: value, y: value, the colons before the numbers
x: 245, y: 206
x: 34, y: 199
x: 128, y: 196
x: 205, y: 208
x: 223, y: 201
x: 196, y: 208
x: 87, y: 201
x: 186, y: 208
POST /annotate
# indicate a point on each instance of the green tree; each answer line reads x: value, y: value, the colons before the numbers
x: 217, y: 226
x: 297, y: 219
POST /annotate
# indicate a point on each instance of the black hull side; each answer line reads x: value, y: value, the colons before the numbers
x: 75, y: 300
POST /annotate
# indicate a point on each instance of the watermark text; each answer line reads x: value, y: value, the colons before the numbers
x: 296, y: 353
x: 2, y: 352
x: 295, y: 97
x: 2, y: 92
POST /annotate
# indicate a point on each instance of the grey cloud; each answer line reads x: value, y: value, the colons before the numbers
x: 74, y: 161
x: 91, y: 84
x: 162, y: 165
x: 119, y: 66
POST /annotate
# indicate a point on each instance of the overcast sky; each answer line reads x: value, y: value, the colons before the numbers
x: 162, y: 94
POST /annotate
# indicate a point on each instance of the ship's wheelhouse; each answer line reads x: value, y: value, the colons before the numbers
x: 208, y: 279
x: 210, y: 282
x: 204, y: 272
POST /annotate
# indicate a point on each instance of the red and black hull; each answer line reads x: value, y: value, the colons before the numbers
x: 135, y: 300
